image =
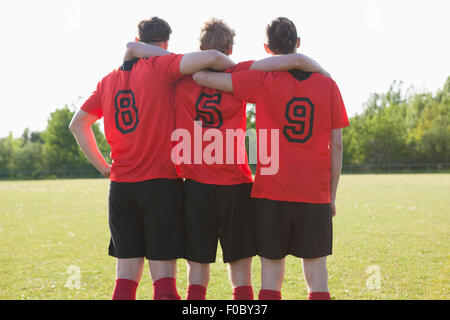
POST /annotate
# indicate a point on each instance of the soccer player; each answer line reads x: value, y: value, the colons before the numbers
x: 295, y: 206
x: 146, y: 193
x: 217, y: 191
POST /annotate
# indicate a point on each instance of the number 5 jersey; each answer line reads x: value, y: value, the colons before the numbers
x: 302, y: 108
x: 209, y: 156
x: 137, y: 104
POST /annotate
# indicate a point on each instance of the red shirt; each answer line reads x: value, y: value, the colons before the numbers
x: 137, y: 103
x: 219, y: 111
x: 304, y: 107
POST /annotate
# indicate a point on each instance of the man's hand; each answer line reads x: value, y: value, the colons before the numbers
x: 106, y: 172
x: 196, y: 61
x: 81, y: 127
x: 333, y: 208
x: 138, y: 50
x: 216, y: 80
x: 288, y: 62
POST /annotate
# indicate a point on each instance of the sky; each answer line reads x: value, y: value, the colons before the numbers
x: 55, y: 52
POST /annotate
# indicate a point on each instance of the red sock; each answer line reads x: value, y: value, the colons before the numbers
x: 269, y: 295
x: 165, y: 289
x: 196, y: 292
x: 319, y: 296
x: 243, y: 293
x: 125, y: 290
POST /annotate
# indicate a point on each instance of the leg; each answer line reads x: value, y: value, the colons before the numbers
x: 198, y: 279
x: 237, y: 237
x: 127, y: 240
x: 128, y: 275
x: 201, y: 232
x: 160, y: 269
x: 272, y: 274
x: 164, y: 274
x: 130, y: 269
x: 198, y: 273
x: 316, y: 275
x: 240, y: 273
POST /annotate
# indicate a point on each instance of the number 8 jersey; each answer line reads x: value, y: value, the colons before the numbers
x: 137, y: 104
x: 302, y: 108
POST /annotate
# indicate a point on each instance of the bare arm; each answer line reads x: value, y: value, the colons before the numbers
x: 137, y: 50
x: 190, y: 63
x: 336, y: 165
x: 289, y: 62
x: 216, y: 80
x: 81, y: 127
x: 196, y: 61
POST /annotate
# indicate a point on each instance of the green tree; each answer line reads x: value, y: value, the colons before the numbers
x: 61, y: 151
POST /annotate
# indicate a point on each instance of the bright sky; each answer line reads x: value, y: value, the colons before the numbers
x: 55, y: 51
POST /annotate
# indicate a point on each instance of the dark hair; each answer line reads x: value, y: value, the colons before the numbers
x: 217, y: 35
x: 154, y: 30
x: 281, y: 36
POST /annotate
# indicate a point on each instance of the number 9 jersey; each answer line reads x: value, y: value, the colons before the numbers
x: 137, y: 104
x: 303, y: 108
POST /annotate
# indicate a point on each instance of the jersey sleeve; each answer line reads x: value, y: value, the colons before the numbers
x: 93, y: 104
x: 168, y: 67
x: 248, y: 85
x: 339, y: 117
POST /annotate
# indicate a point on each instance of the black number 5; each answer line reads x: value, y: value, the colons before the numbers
x: 126, y: 115
x: 300, y: 115
x: 207, y: 110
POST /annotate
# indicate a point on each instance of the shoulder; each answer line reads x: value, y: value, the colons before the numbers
x: 166, y: 59
x: 329, y: 82
x: 241, y: 66
x: 186, y: 83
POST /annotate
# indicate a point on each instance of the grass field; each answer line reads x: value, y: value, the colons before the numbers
x: 392, y: 226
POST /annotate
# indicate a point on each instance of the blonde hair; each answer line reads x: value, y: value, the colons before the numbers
x: 217, y: 35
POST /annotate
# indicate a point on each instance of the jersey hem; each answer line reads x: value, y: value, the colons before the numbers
x: 287, y: 199
x: 145, y: 179
x: 220, y: 183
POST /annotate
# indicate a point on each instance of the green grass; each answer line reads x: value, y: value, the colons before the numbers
x: 399, y: 223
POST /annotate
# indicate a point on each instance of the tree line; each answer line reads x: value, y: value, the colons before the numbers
x: 400, y: 126
x: 52, y: 153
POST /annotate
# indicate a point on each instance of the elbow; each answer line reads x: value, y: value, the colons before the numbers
x: 298, y: 61
x: 219, y: 60
x: 215, y: 58
x: 72, y: 126
x: 131, y: 45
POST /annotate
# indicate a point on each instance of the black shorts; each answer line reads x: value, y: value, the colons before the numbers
x: 218, y: 212
x: 303, y: 230
x: 145, y: 219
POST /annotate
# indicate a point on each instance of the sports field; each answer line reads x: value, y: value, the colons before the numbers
x: 391, y: 241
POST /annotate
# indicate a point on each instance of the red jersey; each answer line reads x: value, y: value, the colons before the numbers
x: 216, y: 110
x: 304, y: 108
x: 137, y: 104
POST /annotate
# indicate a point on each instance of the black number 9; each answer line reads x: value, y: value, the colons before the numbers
x: 300, y: 115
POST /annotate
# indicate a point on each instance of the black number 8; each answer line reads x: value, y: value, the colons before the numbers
x: 126, y: 115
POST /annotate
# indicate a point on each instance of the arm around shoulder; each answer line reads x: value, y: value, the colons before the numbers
x: 196, y: 61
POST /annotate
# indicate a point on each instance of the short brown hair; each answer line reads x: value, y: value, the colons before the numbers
x: 217, y: 35
x: 281, y: 36
x: 154, y: 30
